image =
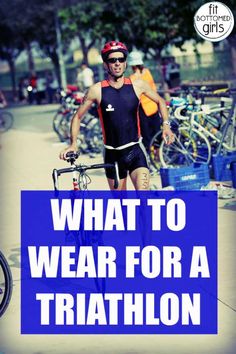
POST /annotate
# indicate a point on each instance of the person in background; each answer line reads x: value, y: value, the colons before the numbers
x: 41, y: 89
x: 3, y: 101
x: 22, y: 90
x: 80, y: 79
x: 85, y: 77
x: 32, y: 88
x: 51, y: 87
x: 150, y: 121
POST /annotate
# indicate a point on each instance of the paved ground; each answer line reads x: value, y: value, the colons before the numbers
x: 27, y: 156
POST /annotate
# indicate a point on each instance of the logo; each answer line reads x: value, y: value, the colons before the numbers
x: 189, y: 178
x: 214, y: 21
x: 109, y: 108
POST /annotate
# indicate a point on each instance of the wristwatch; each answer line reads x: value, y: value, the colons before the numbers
x: 167, y: 122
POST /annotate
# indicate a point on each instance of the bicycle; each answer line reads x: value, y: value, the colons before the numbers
x: 5, y: 284
x: 196, y: 141
x: 6, y: 120
x: 80, y: 183
x: 69, y: 103
x: 200, y: 131
x: 90, y: 137
x: 186, y: 99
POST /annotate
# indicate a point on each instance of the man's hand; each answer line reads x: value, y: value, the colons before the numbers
x: 167, y: 134
x: 63, y: 153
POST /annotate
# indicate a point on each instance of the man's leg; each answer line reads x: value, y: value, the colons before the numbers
x: 140, y: 178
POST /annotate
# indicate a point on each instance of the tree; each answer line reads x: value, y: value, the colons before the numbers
x: 21, y: 17
x: 45, y: 35
x: 18, y: 27
x: 10, y: 45
x: 83, y: 21
x: 149, y: 24
x: 26, y: 22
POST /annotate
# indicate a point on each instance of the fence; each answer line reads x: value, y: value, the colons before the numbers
x: 216, y: 66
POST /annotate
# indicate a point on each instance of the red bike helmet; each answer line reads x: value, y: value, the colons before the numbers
x: 112, y: 47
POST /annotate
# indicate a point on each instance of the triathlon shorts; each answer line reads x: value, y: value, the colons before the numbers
x: 128, y: 159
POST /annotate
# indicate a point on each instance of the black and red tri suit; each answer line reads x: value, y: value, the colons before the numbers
x: 118, y: 112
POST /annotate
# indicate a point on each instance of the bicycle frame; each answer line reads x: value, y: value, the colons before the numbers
x: 195, y: 124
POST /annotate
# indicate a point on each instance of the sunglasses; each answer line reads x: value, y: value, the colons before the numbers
x: 114, y: 60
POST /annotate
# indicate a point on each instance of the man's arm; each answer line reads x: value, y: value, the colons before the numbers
x: 90, y: 97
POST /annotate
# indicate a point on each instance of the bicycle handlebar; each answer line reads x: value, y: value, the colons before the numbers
x: 82, y: 168
x: 201, y: 92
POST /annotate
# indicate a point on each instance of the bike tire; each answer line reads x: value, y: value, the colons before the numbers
x: 94, y: 138
x: 63, y: 130
x: 6, y: 121
x: 56, y: 120
x: 190, y: 146
x: 154, y: 150
x: 7, y: 291
x: 230, y: 139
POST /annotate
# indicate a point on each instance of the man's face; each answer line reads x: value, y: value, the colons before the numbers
x: 116, y: 63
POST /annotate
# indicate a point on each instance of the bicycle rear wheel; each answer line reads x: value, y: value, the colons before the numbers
x: 5, y: 284
x: 6, y: 121
x: 190, y: 146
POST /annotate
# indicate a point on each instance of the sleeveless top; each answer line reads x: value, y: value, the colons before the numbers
x: 118, y: 113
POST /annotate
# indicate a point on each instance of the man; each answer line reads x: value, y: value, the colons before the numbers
x: 118, y: 102
x: 150, y: 121
x: 85, y: 77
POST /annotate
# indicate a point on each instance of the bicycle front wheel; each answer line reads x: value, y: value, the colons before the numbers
x: 5, y: 284
x: 6, y: 121
x: 190, y: 146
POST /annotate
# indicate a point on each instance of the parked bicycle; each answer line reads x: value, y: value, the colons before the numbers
x: 201, y: 130
x: 5, y: 284
x: 69, y: 103
x: 200, y: 135
x: 90, y: 137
